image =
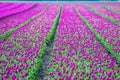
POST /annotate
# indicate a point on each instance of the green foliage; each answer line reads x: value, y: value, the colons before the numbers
x: 29, y: 61
x: 7, y: 33
x: 53, y: 30
x: 34, y: 71
x: 2, y: 57
x: 29, y: 20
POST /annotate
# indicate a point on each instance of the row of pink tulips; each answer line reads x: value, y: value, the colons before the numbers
x: 17, y: 10
x: 3, y: 5
x: 108, y: 30
x: 11, y: 7
x: 14, y: 21
x: 21, y: 48
x: 77, y: 55
x: 115, y: 9
x: 105, y: 12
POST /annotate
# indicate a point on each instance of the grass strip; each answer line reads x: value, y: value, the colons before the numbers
x: 33, y: 73
x: 111, y: 10
x: 100, y: 39
x: 107, y: 17
x: 7, y: 33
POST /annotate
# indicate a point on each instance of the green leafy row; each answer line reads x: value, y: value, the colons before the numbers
x: 105, y: 7
x: 33, y: 73
x: 100, y: 39
x: 7, y: 33
x: 107, y: 17
x: 54, y: 27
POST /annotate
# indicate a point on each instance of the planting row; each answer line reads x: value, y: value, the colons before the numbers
x: 76, y: 54
x: 17, y: 10
x: 36, y: 70
x: 5, y: 4
x: 105, y: 12
x: 17, y: 20
x: 108, y: 31
x: 114, y: 9
x: 21, y: 48
x: 11, y: 7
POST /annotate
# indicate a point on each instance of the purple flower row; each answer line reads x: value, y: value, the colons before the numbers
x: 77, y: 55
x: 20, y: 50
x: 14, y: 21
x: 105, y: 12
x: 109, y: 31
x: 17, y: 10
x: 11, y: 7
x: 115, y: 8
x: 106, y: 4
x: 3, y: 5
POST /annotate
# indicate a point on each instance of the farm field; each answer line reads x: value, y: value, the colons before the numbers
x: 59, y: 41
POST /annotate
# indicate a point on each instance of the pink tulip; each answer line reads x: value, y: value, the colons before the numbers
x: 81, y: 79
x: 13, y: 77
x: 24, y: 74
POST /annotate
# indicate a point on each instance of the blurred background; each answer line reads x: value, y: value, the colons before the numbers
x: 59, y: 0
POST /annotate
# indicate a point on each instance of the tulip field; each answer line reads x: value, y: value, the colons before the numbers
x: 59, y: 41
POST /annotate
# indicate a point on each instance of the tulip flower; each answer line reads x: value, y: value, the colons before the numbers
x: 13, y: 77
x: 24, y: 74
x: 81, y: 79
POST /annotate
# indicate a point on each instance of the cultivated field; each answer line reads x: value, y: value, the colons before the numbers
x: 79, y: 41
